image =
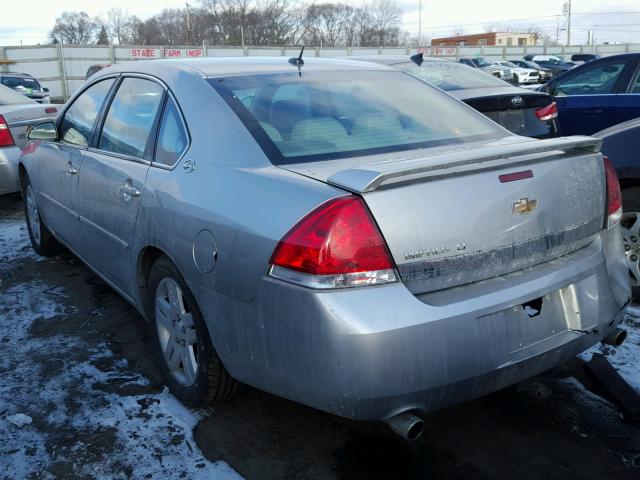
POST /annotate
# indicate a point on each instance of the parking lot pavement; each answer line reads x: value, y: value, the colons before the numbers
x: 76, y: 361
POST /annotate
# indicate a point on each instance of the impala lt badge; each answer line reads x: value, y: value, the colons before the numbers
x: 524, y: 205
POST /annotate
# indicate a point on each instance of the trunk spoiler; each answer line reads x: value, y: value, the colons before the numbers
x: 371, y: 177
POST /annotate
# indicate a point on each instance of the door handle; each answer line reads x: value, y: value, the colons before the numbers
x: 71, y: 170
x: 128, y: 190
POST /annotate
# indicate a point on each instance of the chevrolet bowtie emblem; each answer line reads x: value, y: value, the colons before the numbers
x: 524, y: 205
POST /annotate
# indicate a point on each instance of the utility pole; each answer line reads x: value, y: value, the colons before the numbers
x: 420, y: 25
x: 188, y: 24
x: 558, y: 30
x: 568, y: 8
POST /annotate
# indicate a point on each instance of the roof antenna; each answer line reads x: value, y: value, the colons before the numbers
x: 298, y: 61
x: 417, y: 58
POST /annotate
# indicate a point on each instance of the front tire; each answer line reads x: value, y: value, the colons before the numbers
x: 192, y: 369
x: 42, y: 240
x: 630, y: 224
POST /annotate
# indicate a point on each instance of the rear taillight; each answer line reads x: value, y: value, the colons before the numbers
x: 614, y: 196
x: 51, y: 110
x: 336, y: 245
x: 6, y: 140
x: 547, y: 113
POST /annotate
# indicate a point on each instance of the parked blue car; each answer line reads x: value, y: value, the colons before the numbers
x: 598, y: 94
x: 621, y: 143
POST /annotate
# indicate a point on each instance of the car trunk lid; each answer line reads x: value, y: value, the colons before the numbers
x: 513, y: 108
x: 21, y: 117
x: 456, y: 217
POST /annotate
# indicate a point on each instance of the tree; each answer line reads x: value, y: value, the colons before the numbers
x: 74, y: 28
x: 103, y: 37
x: 119, y: 26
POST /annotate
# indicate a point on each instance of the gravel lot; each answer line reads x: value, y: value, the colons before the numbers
x: 76, y: 360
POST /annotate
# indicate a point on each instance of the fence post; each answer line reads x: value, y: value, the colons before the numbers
x: 4, y: 67
x: 626, y: 48
x: 112, y: 53
x: 62, y: 73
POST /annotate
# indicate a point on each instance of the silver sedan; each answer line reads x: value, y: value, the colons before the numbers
x: 334, y: 232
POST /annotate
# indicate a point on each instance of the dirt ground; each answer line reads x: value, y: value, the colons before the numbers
x: 77, y: 360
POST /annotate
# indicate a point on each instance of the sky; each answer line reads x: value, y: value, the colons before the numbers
x: 611, y: 20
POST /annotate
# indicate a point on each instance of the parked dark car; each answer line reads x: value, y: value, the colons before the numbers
x: 557, y: 65
x: 521, y: 111
x: 27, y: 85
x: 598, y: 94
x: 621, y: 143
x: 95, y: 68
x: 546, y: 74
x: 584, y: 57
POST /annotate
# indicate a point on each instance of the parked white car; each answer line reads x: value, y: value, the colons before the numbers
x: 520, y: 74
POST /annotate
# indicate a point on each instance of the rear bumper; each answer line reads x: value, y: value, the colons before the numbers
x: 371, y: 353
x: 9, y: 181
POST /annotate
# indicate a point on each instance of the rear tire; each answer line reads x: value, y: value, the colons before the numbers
x: 630, y: 224
x: 42, y: 240
x: 191, y: 366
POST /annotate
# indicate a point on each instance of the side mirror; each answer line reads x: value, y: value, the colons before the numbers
x: 45, y: 89
x: 43, y: 131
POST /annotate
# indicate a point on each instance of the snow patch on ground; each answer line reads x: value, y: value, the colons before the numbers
x: 626, y: 357
x: 14, y: 241
x: 79, y: 426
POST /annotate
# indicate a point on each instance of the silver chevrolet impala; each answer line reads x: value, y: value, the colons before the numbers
x: 333, y: 232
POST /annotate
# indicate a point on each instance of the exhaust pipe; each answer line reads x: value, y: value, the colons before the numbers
x: 407, y: 425
x: 616, y: 338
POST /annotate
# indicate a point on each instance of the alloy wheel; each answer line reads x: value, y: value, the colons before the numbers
x: 176, y: 332
x: 34, y: 216
x: 631, y: 235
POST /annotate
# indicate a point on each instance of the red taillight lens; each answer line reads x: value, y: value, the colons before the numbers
x: 6, y: 140
x: 51, y: 110
x: 547, y: 113
x: 336, y: 245
x: 614, y: 195
x: 30, y: 147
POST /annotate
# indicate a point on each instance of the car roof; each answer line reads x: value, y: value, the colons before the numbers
x: 228, y: 66
x: 15, y: 74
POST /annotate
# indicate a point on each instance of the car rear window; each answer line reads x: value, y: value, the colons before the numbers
x: 325, y: 115
x: 451, y: 76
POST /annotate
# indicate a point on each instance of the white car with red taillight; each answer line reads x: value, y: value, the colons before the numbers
x: 17, y: 114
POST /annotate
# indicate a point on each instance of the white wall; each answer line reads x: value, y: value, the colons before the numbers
x: 62, y: 69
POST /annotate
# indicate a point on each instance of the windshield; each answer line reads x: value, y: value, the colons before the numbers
x: 481, y: 62
x: 11, y: 97
x: 327, y: 115
x: 450, y: 75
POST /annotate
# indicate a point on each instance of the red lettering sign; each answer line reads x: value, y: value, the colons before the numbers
x: 143, y: 52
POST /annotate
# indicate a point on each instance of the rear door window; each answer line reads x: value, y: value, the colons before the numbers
x: 79, y: 119
x: 131, y: 117
x: 172, y: 138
